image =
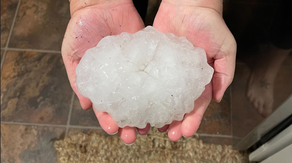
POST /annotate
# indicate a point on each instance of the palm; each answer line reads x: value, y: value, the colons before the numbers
x: 204, y: 28
x: 85, y: 29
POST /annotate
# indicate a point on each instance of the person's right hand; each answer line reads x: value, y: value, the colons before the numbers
x: 91, y: 20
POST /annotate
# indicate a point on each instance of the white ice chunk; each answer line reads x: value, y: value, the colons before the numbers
x: 146, y: 77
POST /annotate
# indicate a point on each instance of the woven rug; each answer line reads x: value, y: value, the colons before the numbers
x: 154, y: 147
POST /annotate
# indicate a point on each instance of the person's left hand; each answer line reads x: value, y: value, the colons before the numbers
x: 202, y: 24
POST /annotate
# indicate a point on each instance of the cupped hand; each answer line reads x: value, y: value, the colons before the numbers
x: 90, y: 22
x: 202, y: 24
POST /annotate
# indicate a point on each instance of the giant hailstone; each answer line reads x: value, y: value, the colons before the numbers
x: 146, y: 77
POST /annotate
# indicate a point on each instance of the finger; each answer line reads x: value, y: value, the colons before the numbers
x: 70, y: 68
x: 106, y: 122
x: 84, y: 102
x: 221, y: 80
x: 145, y: 130
x: 224, y: 66
x: 163, y: 129
x: 174, y: 132
x: 71, y: 57
x: 192, y: 120
x: 128, y: 134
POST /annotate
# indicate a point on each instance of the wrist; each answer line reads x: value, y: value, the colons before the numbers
x: 212, y: 4
x: 79, y: 4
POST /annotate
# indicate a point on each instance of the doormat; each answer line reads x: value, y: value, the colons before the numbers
x: 155, y: 147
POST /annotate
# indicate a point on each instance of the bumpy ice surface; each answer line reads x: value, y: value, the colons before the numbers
x: 146, y: 77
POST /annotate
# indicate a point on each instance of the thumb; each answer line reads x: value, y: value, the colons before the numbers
x: 84, y: 102
x: 223, y: 74
x: 71, y: 68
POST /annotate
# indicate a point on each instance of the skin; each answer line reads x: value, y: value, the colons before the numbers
x: 203, y: 26
x: 261, y: 81
x: 200, y: 21
x: 88, y: 25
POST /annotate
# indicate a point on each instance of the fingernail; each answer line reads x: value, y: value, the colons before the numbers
x: 114, y: 133
x: 220, y: 100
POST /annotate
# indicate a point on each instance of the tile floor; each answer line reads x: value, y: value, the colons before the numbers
x: 38, y: 105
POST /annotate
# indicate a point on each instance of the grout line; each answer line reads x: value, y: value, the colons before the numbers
x: 32, y: 124
x: 13, y: 22
x: 98, y: 128
x: 49, y: 125
x: 235, y: 137
x: 10, y: 33
x: 2, y: 59
x: 70, y: 112
x: 33, y: 50
x: 214, y: 135
x: 85, y: 127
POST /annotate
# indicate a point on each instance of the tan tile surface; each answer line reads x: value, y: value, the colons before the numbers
x: 216, y: 119
x: 74, y: 131
x: 40, y: 24
x: 82, y: 117
x: 34, y: 88
x: 2, y: 54
x: 8, y: 9
x: 29, y: 144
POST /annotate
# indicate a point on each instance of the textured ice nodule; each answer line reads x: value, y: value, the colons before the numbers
x: 146, y: 77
